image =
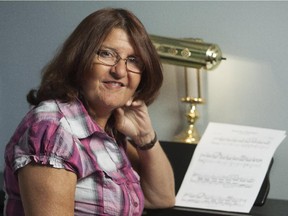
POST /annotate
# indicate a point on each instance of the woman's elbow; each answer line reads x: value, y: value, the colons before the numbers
x: 169, y: 202
x: 160, y: 203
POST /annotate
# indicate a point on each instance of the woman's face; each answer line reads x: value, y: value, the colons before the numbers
x: 109, y: 87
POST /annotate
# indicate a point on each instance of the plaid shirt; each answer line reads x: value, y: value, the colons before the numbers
x: 64, y: 136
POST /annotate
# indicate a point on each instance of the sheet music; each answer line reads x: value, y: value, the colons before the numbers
x: 228, y: 167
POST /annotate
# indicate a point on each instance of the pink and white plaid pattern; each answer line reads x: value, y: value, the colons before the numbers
x: 64, y: 136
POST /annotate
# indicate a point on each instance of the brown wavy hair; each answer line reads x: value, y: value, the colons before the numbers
x: 62, y: 76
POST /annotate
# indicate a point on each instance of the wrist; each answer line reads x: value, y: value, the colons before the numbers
x: 144, y: 145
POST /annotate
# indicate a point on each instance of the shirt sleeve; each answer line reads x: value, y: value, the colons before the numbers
x: 46, y: 143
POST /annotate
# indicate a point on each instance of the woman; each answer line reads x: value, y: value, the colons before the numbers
x: 73, y: 152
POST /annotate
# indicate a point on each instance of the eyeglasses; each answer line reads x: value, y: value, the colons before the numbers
x: 111, y: 58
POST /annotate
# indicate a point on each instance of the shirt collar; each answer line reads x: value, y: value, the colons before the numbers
x: 76, y: 117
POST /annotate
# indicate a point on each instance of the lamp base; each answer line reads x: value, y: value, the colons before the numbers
x: 189, y: 136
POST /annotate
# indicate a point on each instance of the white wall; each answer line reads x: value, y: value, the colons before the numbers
x: 249, y: 88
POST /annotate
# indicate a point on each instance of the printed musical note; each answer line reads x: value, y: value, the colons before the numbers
x: 226, y: 181
x: 242, y: 142
x: 230, y: 159
x: 213, y: 200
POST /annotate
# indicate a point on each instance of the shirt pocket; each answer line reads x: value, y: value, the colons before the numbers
x: 121, y: 193
x: 113, y: 195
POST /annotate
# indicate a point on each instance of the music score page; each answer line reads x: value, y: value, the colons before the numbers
x: 228, y: 167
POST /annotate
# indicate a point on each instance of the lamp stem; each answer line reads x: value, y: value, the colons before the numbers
x: 198, y: 83
x: 190, y: 134
x: 186, y: 81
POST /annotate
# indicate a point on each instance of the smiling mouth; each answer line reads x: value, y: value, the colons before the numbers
x: 114, y: 84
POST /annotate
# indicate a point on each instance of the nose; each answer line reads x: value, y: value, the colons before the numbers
x: 119, y: 70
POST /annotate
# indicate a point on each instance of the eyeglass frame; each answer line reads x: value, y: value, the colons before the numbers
x: 118, y: 58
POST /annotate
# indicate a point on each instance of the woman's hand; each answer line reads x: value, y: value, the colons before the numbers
x: 133, y: 121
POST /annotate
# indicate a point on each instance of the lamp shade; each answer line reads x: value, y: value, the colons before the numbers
x: 192, y: 53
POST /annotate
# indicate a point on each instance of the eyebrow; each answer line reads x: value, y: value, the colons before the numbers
x: 110, y: 48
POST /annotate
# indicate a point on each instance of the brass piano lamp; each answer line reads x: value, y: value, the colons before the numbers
x: 191, y: 53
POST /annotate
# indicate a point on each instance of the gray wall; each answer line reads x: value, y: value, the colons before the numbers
x: 249, y: 88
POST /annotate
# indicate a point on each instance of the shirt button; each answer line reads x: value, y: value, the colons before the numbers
x: 135, y: 204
